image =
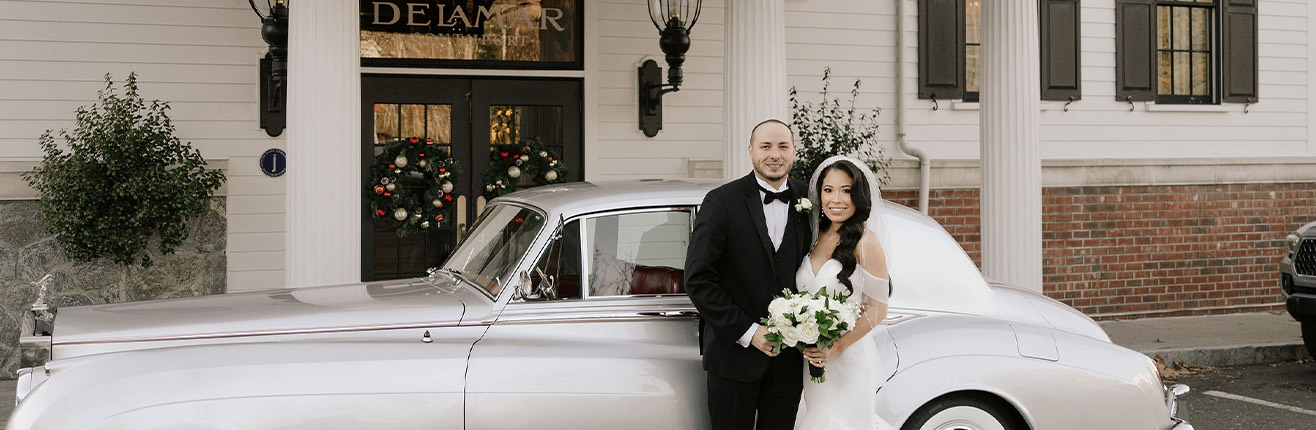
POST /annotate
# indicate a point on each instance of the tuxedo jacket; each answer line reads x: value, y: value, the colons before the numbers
x: 732, y: 272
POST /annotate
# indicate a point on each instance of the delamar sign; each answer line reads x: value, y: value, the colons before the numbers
x: 451, y: 16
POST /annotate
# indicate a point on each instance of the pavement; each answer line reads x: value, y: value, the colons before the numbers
x: 1213, y: 341
x: 1198, y: 341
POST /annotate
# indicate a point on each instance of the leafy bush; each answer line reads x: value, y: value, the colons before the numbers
x: 825, y: 129
x: 124, y: 181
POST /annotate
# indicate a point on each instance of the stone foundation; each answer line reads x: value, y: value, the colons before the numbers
x: 28, y: 252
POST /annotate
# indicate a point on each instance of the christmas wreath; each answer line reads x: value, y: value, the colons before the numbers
x: 510, y: 164
x: 411, y: 185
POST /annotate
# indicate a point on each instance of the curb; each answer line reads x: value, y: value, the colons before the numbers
x: 1231, y: 356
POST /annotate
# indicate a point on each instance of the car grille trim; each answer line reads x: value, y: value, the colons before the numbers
x: 1304, y: 261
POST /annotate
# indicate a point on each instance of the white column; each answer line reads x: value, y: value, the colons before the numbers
x: 1011, y: 163
x: 324, y: 149
x: 755, y: 76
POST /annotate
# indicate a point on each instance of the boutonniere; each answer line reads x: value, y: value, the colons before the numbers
x: 803, y: 205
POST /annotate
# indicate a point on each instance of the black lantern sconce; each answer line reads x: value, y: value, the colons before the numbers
x: 674, y: 18
x: 274, y: 67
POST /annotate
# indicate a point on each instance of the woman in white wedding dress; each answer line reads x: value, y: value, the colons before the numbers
x: 847, y: 256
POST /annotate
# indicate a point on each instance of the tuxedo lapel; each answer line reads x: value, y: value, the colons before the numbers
x: 754, y: 205
x: 800, y: 220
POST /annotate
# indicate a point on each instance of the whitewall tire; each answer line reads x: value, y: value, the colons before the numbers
x: 964, y: 413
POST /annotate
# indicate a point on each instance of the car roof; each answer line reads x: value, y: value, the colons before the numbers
x: 583, y: 197
x: 580, y: 197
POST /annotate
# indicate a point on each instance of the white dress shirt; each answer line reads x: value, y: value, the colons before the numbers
x: 775, y: 214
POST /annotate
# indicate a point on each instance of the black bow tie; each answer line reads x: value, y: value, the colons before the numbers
x: 769, y: 196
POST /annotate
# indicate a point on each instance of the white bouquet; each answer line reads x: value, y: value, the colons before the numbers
x: 801, y: 320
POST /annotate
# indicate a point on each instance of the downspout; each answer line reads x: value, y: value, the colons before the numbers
x: 924, y: 164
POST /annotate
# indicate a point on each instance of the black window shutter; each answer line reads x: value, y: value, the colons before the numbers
x: 1061, y: 77
x: 941, y: 49
x: 1135, y: 50
x: 1238, y: 51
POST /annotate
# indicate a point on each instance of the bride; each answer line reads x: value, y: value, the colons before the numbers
x: 847, y: 256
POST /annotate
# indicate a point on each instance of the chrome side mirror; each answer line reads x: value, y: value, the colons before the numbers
x: 526, y: 290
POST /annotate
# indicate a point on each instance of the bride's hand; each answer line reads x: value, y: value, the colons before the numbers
x: 820, y: 356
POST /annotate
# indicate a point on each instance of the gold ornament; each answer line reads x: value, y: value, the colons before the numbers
x: 514, y: 172
x: 401, y: 161
x: 446, y: 187
x: 551, y: 175
x: 400, y: 214
x: 390, y: 187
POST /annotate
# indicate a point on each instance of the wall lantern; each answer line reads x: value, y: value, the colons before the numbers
x: 274, y: 67
x: 674, y: 18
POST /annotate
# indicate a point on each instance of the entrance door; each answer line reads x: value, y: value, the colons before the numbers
x: 469, y: 118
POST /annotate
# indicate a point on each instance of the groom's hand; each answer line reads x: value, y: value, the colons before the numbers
x: 761, y: 342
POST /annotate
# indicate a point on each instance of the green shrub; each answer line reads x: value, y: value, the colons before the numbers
x: 124, y: 181
x: 826, y: 129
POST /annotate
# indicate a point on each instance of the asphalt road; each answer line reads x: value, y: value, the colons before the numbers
x: 1264, y: 396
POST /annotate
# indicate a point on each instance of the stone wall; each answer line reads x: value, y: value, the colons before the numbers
x: 28, y: 252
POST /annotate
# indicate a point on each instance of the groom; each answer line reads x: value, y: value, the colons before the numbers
x: 747, y: 243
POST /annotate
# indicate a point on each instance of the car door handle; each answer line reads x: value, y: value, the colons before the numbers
x: 671, y: 314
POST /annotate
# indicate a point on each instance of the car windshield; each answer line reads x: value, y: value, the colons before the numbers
x: 496, y: 243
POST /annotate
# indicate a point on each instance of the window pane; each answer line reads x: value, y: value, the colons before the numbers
x: 1166, y: 79
x: 971, y: 67
x: 413, y: 121
x: 501, y: 30
x: 386, y: 123
x: 1181, y: 32
x: 558, y: 271
x: 1200, y: 73
x: 1163, y: 27
x: 640, y: 253
x: 1201, y: 30
x: 972, y: 22
x: 439, y: 124
x: 1182, y: 73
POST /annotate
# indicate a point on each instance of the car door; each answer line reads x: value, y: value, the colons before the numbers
x: 606, y: 338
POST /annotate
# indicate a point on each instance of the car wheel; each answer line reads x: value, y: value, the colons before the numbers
x: 1309, y: 337
x: 964, y: 412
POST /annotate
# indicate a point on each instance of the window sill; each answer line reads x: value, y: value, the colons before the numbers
x: 1154, y: 107
x: 1045, y: 105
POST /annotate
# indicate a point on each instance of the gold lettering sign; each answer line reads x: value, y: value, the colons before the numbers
x: 541, y: 31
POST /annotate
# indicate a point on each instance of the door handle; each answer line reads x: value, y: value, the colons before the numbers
x: 461, y: 218
x: 672, y: 314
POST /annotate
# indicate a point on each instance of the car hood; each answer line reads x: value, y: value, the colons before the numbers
x: 284, y: 311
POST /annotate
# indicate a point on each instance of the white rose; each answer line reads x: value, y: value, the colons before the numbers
x: 790, y: 336
x: 778, y: 306
x: 808, y: 333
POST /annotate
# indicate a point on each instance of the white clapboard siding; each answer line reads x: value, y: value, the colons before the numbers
x: 201, y: 56
x: 1098, y: 126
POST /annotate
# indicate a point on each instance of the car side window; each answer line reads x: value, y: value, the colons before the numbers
x: 636, y: 253
x: 557, y: 275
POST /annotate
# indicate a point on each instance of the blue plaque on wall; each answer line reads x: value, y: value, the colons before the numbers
x: 273, y: 162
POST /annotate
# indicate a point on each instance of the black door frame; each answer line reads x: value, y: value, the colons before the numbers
x: 467, y: 95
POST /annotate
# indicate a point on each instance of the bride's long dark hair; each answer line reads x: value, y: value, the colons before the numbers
x: 851, y: 229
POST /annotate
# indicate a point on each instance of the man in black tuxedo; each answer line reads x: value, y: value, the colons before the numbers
x: 747, y: 243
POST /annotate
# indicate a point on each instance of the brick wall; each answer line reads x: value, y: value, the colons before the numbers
x: 1151, y: 251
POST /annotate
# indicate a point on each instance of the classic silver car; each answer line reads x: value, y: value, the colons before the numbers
x: 564, y: 308
x: 1297, y: 281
